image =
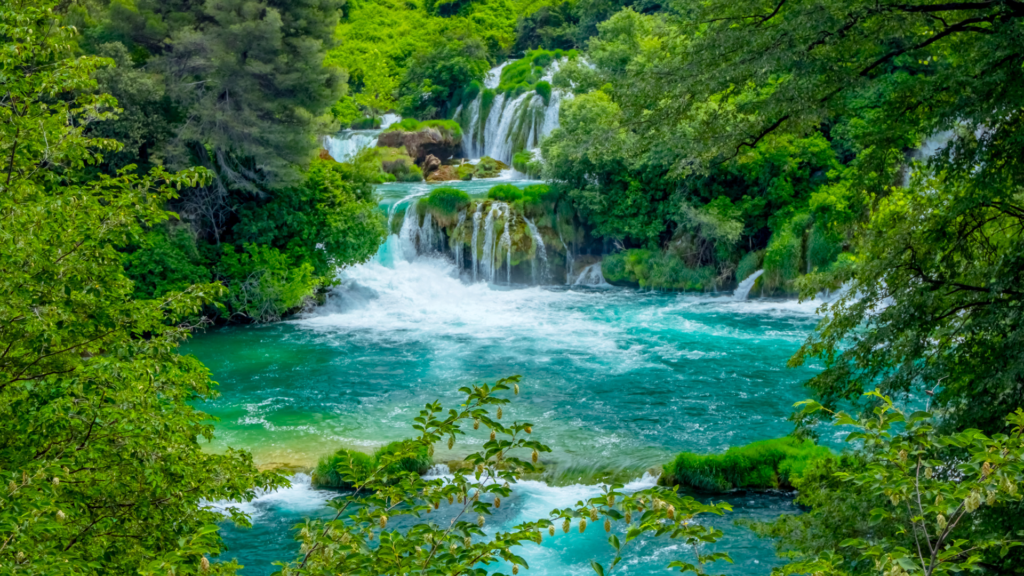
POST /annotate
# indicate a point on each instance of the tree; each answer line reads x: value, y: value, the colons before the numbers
x: 934, y: 487
x: 377, y: 95
x: 102, y: 463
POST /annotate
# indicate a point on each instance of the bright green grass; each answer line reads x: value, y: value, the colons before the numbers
x: 762, y: 465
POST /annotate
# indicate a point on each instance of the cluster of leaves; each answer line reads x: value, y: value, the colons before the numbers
x: 384, y: 525
x: 360, y: 465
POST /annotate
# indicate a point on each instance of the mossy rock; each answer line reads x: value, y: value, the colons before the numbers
x: 465, y: 172
x: 488, y: 167
x: 444, y: 205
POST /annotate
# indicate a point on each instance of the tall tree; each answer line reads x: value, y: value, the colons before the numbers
x: 378, y: 93
x: 102, y: 464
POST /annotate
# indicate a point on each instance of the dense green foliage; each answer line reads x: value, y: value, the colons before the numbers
x: 345, y: 469
x: 766, y: 464
x: 102, y: 446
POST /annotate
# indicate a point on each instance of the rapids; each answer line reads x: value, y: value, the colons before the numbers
x: 615, y: 380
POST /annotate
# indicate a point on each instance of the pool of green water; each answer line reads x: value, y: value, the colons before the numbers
x: 615, y: 380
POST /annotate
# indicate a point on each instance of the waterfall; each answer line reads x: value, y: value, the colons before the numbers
x: 568, y: 257
x: 506, y: 243
x: 456, y: 241
x: 415, y: 238
x: 744, y: 287
x: 347, y: 144
x: 490, y: 263
x: 591, y: 276
x: 510, y: 125
x: 476, y: 234
x: 538, y: 250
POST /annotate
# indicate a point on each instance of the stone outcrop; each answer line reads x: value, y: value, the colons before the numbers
x: 444, y: 174
x: 431, y: 163
x: 427, y: 141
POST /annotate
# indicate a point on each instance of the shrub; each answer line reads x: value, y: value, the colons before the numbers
x: 656, y: 270
x: 326, y: 474
x: 823, y: 247
x: 412, y: 174
x: 505, y: 193
x: 762, y: 465
x: 471, y: 92
x: 444, y: 204
x: 366, y: 124
x: 264, y: 283
x: 418, y: 464
x: 544, y: 91
x: 414, y: 125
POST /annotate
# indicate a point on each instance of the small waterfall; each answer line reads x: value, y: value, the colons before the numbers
x: 490, y: 266
x: 743, y: 290
x: 591, y: 276
x: 568, y: 258
x: 511, y: 124
x: 538, y: 250
x: 506, y: 243
x: 416, y: 238
x: 457, y: 241
x: 347, y: 144
x: 477, y: 216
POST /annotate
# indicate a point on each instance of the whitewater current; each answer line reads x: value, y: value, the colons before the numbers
x: 615, y: 380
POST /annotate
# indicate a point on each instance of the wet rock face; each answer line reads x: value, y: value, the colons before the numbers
x: 432, y: 141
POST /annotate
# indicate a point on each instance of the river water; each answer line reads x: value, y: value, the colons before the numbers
x: 615, y: 380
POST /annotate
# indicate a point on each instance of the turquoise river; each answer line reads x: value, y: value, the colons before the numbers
x: 615, y: 380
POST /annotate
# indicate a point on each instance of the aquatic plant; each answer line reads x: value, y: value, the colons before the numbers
x: 762, y: 465
x: 543, y: 90
x: 417, y: 460
x: 327, y: 474
x: 505, y: 193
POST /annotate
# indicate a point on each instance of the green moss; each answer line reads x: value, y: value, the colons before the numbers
x: 488, y: 167
x: 763, y: 465
x: 465, y: 172
x: 413, y: 125
x: 444, y: 204
x: 327, y: 473
x: 523, y: 74
x: 505, y: 193
x: 471, y: 92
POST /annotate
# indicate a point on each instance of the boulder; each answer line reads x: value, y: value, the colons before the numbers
x: 427, y: 141
x: 444, y: 174
x: 431, y: 163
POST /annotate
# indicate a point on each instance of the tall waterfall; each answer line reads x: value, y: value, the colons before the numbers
x: 743, y: 290
x: 539, y: 251
x: 510, y: 124
x: 489, y: 266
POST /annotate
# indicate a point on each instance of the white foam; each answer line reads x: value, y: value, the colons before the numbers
x: 299, y: 497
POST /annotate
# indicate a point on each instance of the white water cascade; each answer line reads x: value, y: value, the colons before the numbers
x: 347, y: 143
x: 539, y: 251
x: 509, y: 125
x: 489, y: 267
x: 743, y: 290
x: 591, y: 276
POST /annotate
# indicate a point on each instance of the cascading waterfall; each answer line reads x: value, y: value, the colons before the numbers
x: 477, y: 216
x: 347, y: 144
x: 591, y: 276
x: 743, y: 290
x: 538, y: 251
x: 510, y: 125
x: 458, y: 240
x: 568, y: 259
x: 506, y: 243
x: 414, y: 237
x: 498, y: 210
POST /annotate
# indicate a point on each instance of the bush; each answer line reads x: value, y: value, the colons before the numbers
x: 471, y: 92
x: 264, y: 283
x: 366, y: 124
x: 505, y: 193
x: 656, y: 270
x: 823, y: 247
x: 412, y: 174
x: 544, y: 91
x: 763, y: 465
x: 444, y: 204
x: 418, y: 464
x: 326, y: 474
x: 413, y: 125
